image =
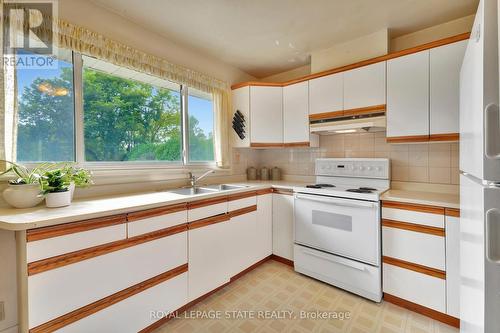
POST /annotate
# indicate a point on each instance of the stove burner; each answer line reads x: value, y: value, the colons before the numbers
x: 360, y: 190
x: 320, y: 186
x: 368, y: 188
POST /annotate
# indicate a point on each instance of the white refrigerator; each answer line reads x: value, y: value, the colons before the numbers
x: 480, y: 176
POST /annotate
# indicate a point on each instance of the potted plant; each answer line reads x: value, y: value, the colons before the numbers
x: 55, y: 185
x: 24, y: 191
x: 78, y: 177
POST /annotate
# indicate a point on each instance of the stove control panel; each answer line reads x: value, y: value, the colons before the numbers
x: 353, y: 167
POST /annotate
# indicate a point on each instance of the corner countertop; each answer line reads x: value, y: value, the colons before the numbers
x: 446, y: 200
x: 82, y: 209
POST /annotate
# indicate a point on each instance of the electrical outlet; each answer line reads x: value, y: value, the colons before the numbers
x: 2, y: 310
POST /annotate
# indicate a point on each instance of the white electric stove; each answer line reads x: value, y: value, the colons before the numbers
x: 337, y: 224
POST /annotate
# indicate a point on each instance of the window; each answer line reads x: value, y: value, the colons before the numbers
x: 201, y: 125
x: 45, y: 130
x: 129, y: 120
x: 91, y: 111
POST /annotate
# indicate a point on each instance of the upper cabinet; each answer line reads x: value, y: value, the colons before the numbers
x: 326, y: 94
x: 417, y: 88
x: 266, y: 115
x: 296, y: 115
x: 445, y: 64
x: 408, y: 97
x: 241, y: 103
x: 364, y: 87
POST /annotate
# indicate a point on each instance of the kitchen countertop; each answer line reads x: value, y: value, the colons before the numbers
x: 82, y: 209
x: 423, y: 198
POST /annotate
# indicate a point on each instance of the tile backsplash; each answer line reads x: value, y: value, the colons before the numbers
x: 424, y: 163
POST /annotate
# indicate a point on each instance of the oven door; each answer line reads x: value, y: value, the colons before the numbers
x: 346, y: 227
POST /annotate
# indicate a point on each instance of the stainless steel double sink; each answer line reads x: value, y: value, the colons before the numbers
x: 206, y: 189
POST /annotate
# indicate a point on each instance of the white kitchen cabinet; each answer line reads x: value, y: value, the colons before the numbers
x: 266, y: 114
x: 263, y: 245
x: 415, y: 247
x: 365, y: 86
x: 199, y: 213
x: 452, y: 266
x: 243, y: 231
x: 415, y: 287
x: 296, y: 115
x: 208, y: 252
x: 326, y: 94
x: 134, y: 313
x: 445, y: 64
x: 51, y: 247
x: 283, y: 235
x: 56, y: 292
x: 241, y: 102
x: 408, y: 95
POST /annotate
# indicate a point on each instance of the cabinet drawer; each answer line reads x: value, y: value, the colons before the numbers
x: 58, y: 291
x: 409, y: 216
x: 134, y: 313
x: 415, y: 287
x: 415, y: 247
x: 150, y: 224
x: 211, y: 208
x: 54, y: 246
x: 241, y: 203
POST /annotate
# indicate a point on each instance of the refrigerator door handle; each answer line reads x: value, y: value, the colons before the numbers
x: 492, y: 131
x: 492, y: 235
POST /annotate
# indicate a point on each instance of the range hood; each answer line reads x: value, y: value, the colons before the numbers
x: 360, y: 124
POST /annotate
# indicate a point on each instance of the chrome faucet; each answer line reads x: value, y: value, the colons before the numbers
x: 193, y: 179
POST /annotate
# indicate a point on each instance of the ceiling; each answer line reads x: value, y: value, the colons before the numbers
x: 264, y: 37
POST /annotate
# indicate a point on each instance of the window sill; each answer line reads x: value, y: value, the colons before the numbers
x: 112, y: 174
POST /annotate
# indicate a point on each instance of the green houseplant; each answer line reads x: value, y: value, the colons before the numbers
x: 55, y: 186
x: 24, y: 191
x: 78, y: 177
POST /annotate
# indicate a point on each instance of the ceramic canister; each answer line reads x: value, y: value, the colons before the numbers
x: 275, y: 173
x: 264, y: 173
x: 251, y: 173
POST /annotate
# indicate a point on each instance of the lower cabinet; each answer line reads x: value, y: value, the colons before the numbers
x: 452, y: 266
x: 263, y: 245
x: 419, y: 288
x: 208, y: 257
x: 243, y: 230
x: 136, y: 312
x: 283, y: 235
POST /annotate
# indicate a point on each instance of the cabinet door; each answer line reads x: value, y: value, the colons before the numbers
x: 296, y: 112
x: 243, y: 231
x: 408, y: 95
x: 364, y: 86
x: 452, y: 266
x: 263, y: 245
x: 326, y: 94
x: 266, y: 114
x: 208, y: 267
x: 445, y: 64
x: 241, y: 102
x: 283, y: 225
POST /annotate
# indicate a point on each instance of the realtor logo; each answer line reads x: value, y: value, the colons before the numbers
x: 28, y: 26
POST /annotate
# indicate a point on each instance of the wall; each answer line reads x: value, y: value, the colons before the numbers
x: 440, y: 31
x: 289, y: 75
x: 366, y: 47
x: 435, y: 163
x: 96, y: 18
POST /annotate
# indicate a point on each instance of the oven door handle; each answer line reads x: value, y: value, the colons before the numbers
x: 357, y: 204
x: 340, y: 261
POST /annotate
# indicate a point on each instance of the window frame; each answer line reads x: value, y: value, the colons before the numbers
x: 79, y: 139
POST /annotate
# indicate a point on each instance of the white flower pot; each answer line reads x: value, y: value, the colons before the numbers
x: 72, y: 189
x: 58, y: 199
x: 23, y: 196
